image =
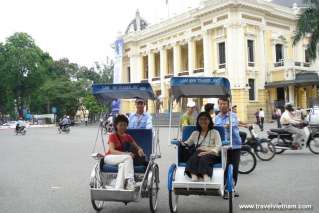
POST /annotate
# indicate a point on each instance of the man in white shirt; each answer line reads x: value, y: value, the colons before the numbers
x: 262, y: 119
x: 289, y: 120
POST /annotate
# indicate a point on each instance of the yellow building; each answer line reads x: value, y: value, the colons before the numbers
x: 247, y: 41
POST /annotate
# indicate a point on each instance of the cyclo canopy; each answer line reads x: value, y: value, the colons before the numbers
x: 108, y: 92
x: 200, y: 87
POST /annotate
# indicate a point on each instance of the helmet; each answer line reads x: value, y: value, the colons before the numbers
x: 67, y: 117
x: 289, y: 107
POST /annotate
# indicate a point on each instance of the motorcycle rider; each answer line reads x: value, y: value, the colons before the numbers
x: 65, y: 121
x: 20, y: 125
x: 290, y: 121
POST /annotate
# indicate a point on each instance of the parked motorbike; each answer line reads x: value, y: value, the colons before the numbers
x: 283, y: 140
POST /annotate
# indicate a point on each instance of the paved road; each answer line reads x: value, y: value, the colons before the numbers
x: 47, y: 172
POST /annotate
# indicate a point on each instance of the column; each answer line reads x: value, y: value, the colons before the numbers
x: 151, y: 66
x: 235, y: 57
x: 177, y: 59
x: 291, y: 94
x: 191, y: 56
x: 208, y: 50
x: 163, y: 70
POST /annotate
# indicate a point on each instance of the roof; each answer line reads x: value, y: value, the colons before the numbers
x: 137, y: 24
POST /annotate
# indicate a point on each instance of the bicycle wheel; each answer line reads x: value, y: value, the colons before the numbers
x: 265, y: 150
x: 247, y: 162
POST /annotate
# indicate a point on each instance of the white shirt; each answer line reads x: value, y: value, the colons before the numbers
x: 290, y: 118
x: 261, y: 114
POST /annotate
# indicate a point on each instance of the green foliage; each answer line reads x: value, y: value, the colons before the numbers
x: 308, y: 26
x: 91, y: 104
x: 31, y: 79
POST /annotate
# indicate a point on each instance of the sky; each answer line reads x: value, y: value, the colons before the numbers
x: 81, y: 30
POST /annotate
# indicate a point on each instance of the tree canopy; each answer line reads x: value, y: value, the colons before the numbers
x: 31, y: 80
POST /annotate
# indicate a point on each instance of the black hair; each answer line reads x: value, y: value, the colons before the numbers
x: 208, y: 107
x: 223, y: 99
x: 207, y: 115
x: 118, y: 119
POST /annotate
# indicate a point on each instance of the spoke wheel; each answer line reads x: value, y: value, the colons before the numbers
x: 153, y: 190
x: 173, y: 201
x: 265, y: 151
x: 247, y: 162
x: 314, y: 145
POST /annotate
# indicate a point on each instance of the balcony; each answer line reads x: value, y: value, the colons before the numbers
x: 183, y: 73
x: 156, y: 79
x: 168, y: 76
x: 198, y: 70
x: 287, y: 69
x: 292, y: 64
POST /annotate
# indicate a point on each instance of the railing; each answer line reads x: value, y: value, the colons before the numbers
x: 198, y: 70
x: 183, y: 73
x: 293, y: 64
x: 156, y: 79
x: 168, y: 76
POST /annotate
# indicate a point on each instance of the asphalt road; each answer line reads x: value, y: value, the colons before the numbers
x: 46, y: 172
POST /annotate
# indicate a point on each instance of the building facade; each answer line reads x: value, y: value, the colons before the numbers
x: 247, y: 41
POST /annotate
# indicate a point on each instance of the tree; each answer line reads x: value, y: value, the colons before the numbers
x: 24, y: 67
x: 308, y: 26
x: 91, y: 104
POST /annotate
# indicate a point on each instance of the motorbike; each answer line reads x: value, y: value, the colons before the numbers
x: 21, y: 131
x: 64, y: 129
x: 107, y: 124
x: 263, y: 148
x: 283, y: 140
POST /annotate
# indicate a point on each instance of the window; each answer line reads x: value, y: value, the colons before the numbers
x: 221, y: 55
x: 307, y: 59
x: 251, y: 83
x: 279, y: 55
x: 145, y: 67
x: 157, y: 65
x: 128, y: 74
x: 251, y: 58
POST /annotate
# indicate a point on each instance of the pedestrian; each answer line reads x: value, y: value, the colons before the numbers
x: 257, y: 117
x: 262, y: 119
x: 278, y: 116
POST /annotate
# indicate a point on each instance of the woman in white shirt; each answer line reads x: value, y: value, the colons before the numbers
x: 207, y: 143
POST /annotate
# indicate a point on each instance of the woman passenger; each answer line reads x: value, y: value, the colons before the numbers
x: 208, y: 144
x: 117, y: 156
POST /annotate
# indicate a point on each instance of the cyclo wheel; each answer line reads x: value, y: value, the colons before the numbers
x: 97, y: 205
x: 265, y: 150
x: 153, y: 189
x: 172, y: 198
x: 247, y: 162
x: 173, y: 201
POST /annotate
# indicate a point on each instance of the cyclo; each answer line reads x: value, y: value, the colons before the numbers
x: 146, y: 176
x: 177, y: 183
